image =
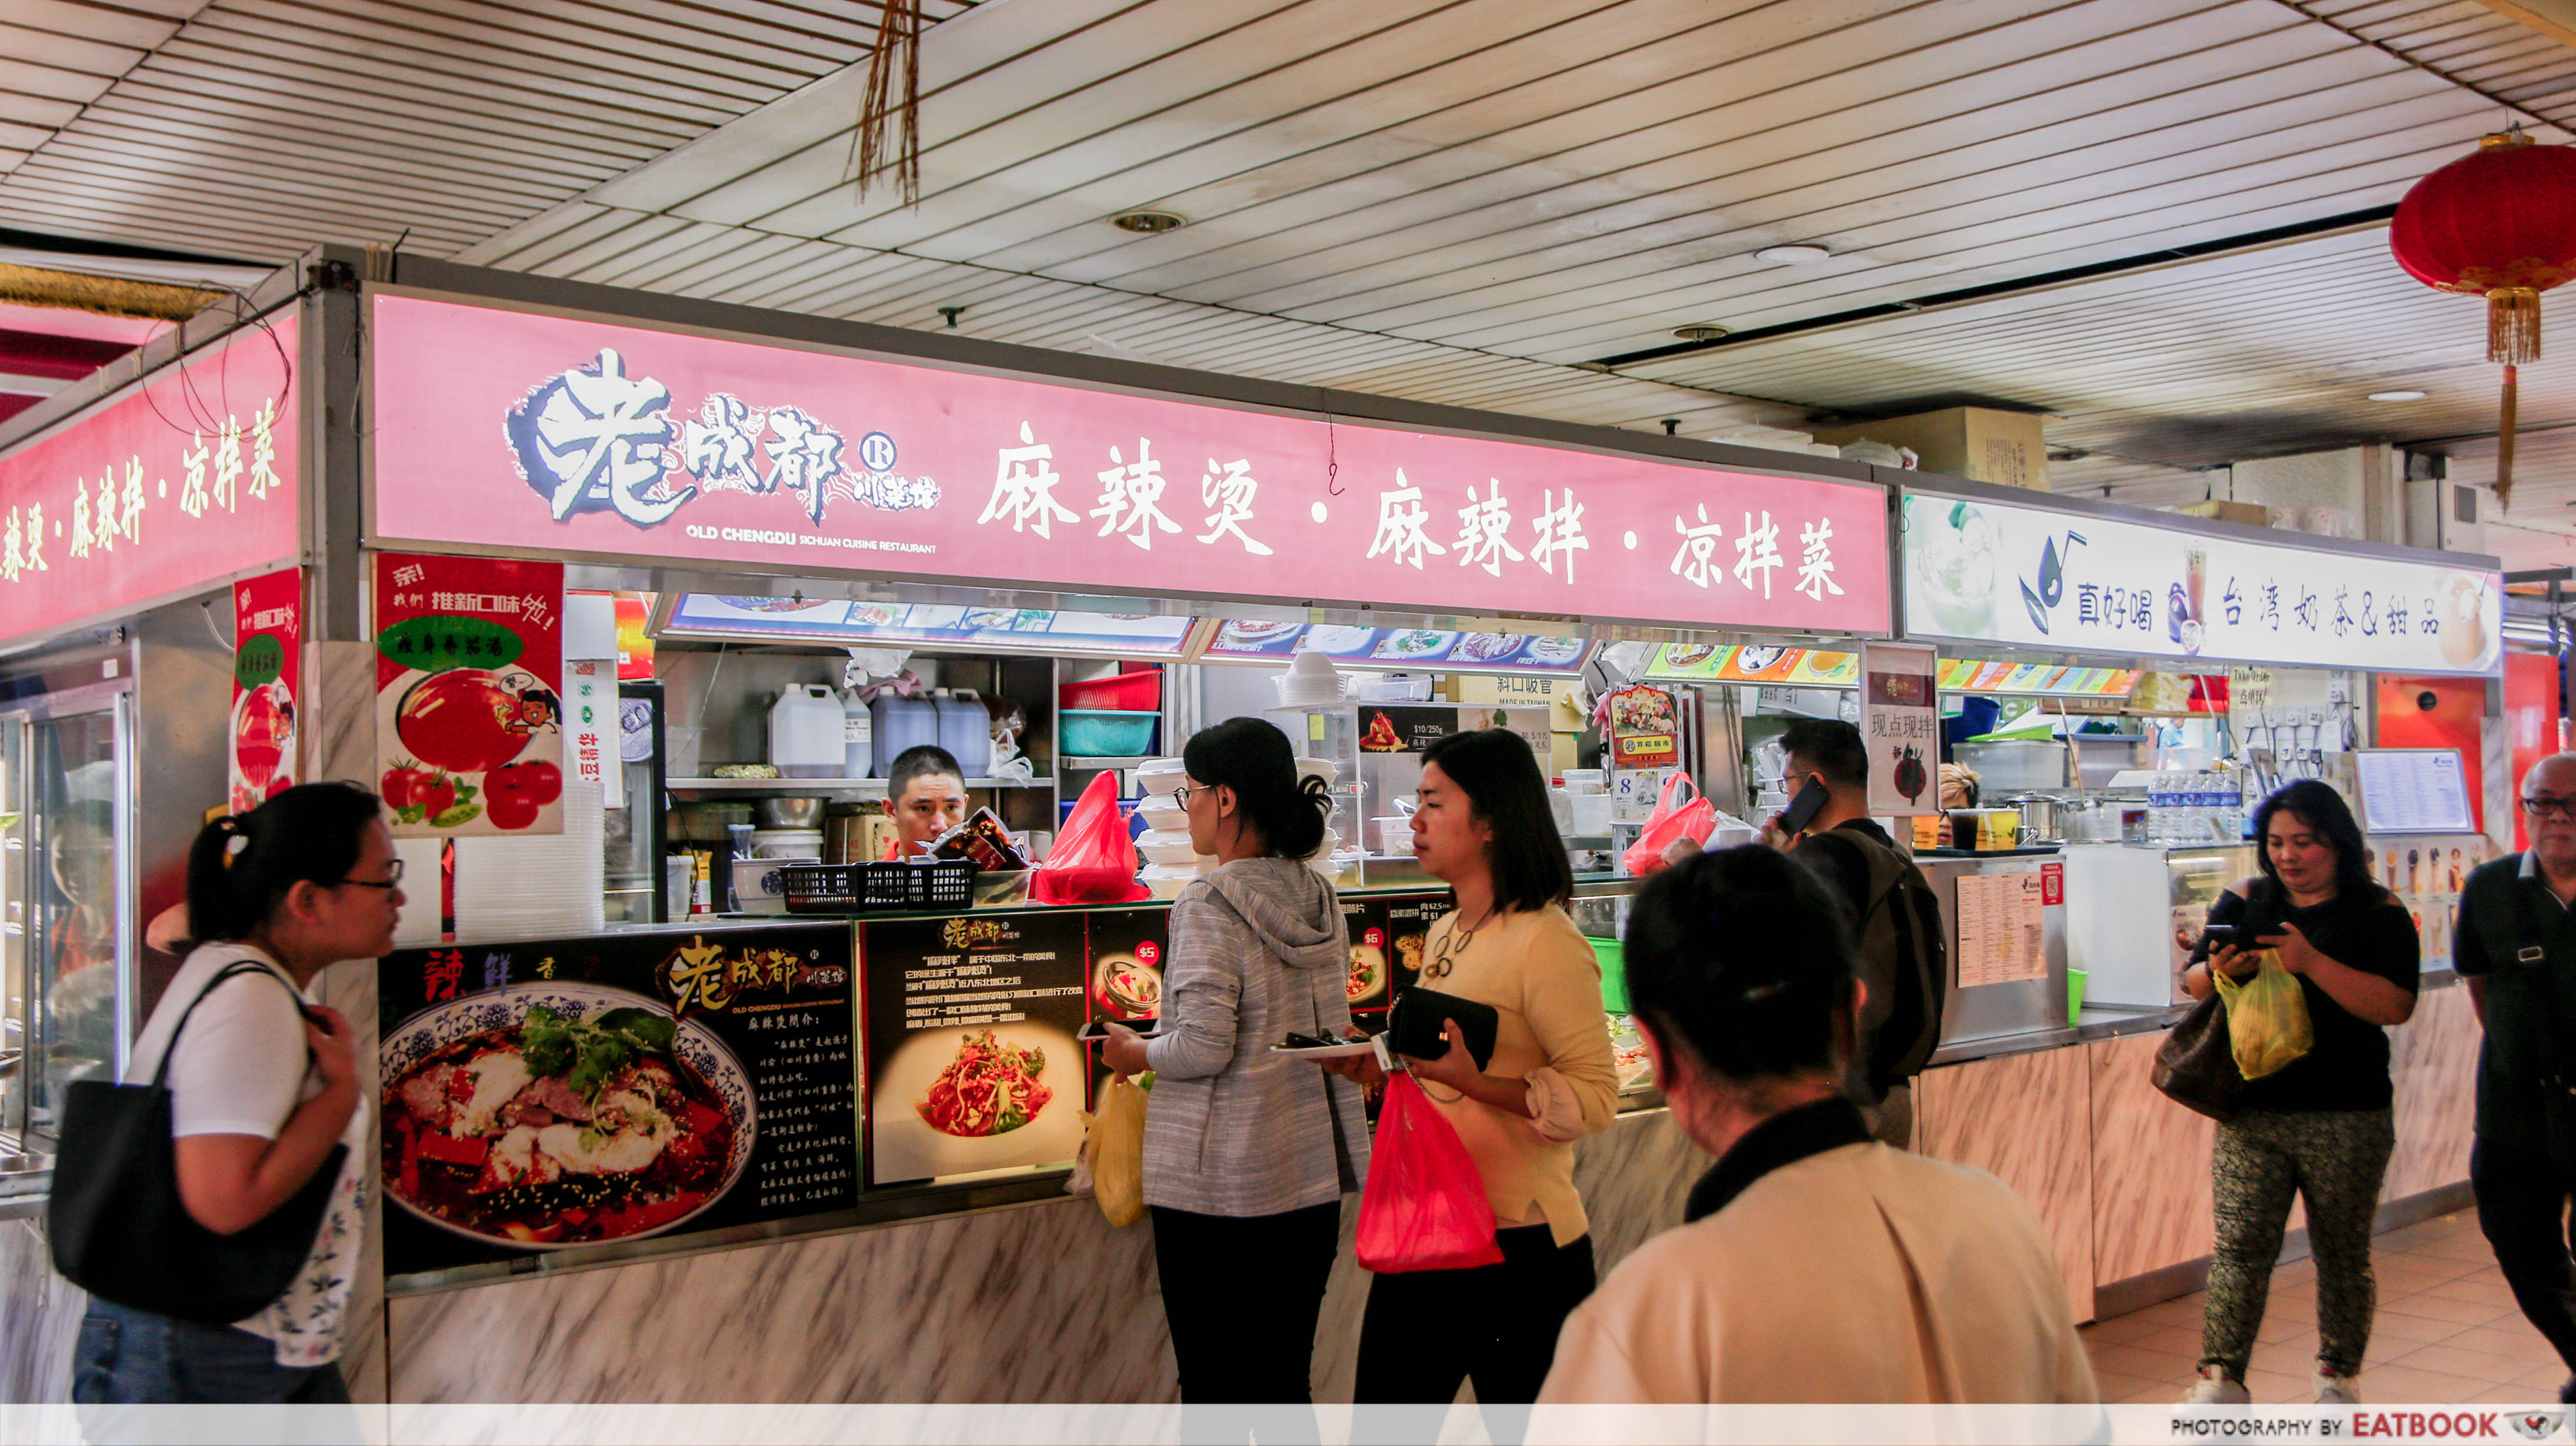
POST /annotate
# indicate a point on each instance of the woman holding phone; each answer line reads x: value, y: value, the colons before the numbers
x: 2320, y: 1127
x: 1482, y: 826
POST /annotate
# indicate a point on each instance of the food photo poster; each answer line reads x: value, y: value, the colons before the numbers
x: 268, y: 639
x: 548, y: 1095
x: 469, y: 695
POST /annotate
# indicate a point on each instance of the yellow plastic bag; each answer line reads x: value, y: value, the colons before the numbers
x: 2267, y: 1018
x: 1116, y: 1150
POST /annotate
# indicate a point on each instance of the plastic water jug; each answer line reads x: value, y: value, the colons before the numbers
x: 805, y: 732
x: 858, y: 730
x: 965, y: 730
x: 897, y: 724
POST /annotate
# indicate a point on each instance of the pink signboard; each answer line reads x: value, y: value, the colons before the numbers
x: 188, y: 480
x: 573, y: 437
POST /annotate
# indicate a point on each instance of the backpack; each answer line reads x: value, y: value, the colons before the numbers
x: 1904, y: 957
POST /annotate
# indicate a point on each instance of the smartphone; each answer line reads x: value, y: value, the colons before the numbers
x: 2217, y: 936
x: 1802, y: 810
x: 1098, y: 1030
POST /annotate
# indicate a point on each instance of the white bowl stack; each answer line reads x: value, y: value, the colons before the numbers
x: 1310, y: 680
x: 531, y: 886
x: 1170, y: 861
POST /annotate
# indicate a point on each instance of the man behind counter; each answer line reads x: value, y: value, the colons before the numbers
x: 925, y: 796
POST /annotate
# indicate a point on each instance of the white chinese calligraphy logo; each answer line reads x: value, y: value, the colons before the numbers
x: 1024, y: 481
x: 1230, y: 489
x: 1399, y: 525
x: 1757, y: 549
x: 1482, y: 528
x: 1816, y: 561
x: 594, y: 438
x: 1131, y: 497
x: 1693, y: 562
x: 1560, y: 531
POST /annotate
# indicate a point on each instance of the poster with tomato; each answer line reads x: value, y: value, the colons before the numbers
x: 1900, y: 722
x: 268, y: 633
x: 469, y: 689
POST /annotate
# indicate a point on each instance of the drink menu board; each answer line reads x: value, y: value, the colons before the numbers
x: 2413, y: 790
x: 568, y: 1092
x: 2000, y: 940
x: 972, y: 1065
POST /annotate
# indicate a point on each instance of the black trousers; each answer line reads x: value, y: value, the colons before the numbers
x: 1242, y: 1294
x: 1425, y: 1331
x: 2522, y: 1208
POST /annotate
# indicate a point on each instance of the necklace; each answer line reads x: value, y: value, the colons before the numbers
x: 1452, y: 944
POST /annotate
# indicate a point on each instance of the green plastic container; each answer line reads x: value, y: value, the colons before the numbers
x: 2075, y: 979
x: 1614, y: 974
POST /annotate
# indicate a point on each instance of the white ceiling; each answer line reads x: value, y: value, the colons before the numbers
x: 1462, y: 201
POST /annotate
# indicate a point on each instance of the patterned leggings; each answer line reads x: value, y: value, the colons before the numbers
x: 2336, y: 1159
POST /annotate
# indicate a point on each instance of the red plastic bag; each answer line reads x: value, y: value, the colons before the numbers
x: 1424, y: 1206
x: 1668, y: 824
x: 1093, y: 861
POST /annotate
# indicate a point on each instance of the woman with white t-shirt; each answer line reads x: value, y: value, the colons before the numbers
x: 262, y: 1085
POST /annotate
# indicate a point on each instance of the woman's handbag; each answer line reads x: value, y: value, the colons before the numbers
x: 2196, y: 1067
x: 1423, y: 1206
x: 116, y: 1222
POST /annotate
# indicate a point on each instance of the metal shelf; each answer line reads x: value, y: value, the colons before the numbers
x: 840, y: 787
x: 1095, y: 764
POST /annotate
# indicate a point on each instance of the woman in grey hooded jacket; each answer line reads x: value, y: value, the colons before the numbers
x: 1248, y: 1153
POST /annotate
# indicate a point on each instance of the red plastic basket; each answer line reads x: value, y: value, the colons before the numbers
x: 1137, y: 692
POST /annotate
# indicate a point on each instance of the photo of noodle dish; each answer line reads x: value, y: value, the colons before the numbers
x: 546, y: 1115
x: 955, y: 1100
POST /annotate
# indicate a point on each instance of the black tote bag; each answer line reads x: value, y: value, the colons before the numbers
x: 118, y: 1228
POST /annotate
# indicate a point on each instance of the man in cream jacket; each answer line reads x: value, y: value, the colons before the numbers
x: 1816, y: 1265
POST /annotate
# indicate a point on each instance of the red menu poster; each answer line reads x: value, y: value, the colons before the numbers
x: 469, y: 689
x: 268, y: 631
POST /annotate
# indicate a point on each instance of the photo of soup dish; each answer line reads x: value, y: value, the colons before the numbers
x: 1368, y: 971
x: 1128, y: 986
x: 549, y: 1115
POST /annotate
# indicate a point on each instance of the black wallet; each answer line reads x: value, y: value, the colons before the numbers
x: 1413, y: 1025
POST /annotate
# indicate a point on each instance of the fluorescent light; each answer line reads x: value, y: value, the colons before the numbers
x: 1799, y: 255
x: 2403, y: 394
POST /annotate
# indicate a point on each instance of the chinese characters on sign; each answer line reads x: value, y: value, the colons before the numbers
x: 469, y: 695
x: 622, y: 441
x: 1900, y: 725
x: 181, y: 482
x: 1993, y: 572
x: 268, y: 645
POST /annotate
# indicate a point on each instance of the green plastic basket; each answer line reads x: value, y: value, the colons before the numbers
x: 1614, y: 974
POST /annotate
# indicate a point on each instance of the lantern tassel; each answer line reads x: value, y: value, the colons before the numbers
x: 2513, y: 325
x: 2504, y: 439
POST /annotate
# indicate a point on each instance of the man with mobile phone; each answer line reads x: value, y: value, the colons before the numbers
x: 1895, y: 917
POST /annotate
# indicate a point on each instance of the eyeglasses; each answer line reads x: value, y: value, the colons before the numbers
x: 2545, y: 807
x: 391, y: 880
x: 1181, y: 795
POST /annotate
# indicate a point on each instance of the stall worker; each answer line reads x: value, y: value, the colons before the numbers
x: 925, y: 796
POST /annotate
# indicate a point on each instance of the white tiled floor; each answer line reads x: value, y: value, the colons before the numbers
x: 2447, y: 1331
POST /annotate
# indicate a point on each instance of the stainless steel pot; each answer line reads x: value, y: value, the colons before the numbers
x: 791, y: 812
x: 2041, y: 818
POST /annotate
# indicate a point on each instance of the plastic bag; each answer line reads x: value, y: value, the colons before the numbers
x: 1093, y: 860
x: 2267, y: 1018
x: 1669, y: 824
x: 1115, y: 1150
x: 1424, y: 1205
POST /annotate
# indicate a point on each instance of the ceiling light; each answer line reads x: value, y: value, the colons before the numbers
x: 1147, y: 222
x: 2406, y: 394
x: 1799, y: 255
x: 1699, y: 333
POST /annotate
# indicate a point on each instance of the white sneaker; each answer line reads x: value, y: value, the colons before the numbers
x: 2217, y: 1388
x: 2335, y: 1390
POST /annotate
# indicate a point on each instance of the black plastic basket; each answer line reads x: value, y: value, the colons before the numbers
x: 860, y: 888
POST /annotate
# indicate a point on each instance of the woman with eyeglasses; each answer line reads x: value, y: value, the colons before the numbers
x: 1247, y: 1153
x: 2320, y: 1128
x: 263, y: 1083
x: 1481, y: 824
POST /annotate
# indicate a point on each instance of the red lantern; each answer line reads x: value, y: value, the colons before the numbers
x: 2501, y: 224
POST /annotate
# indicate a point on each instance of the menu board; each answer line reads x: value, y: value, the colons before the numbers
x: 540, y: 1096
x: 972, y: 1065
x: 2413, y: 790
x: 1408, y: 927
x: 1973, y: 675
x: 1372, y: 960
x: 1791, y: 667
x: 1999, y: 929
x: 1124, y: 972
x: 861, y: 624
x: 1244, y: 640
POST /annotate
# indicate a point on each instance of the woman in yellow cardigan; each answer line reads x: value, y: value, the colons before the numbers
x: 1483, y: 826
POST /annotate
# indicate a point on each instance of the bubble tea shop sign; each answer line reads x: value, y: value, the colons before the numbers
x: 2030, y: 577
